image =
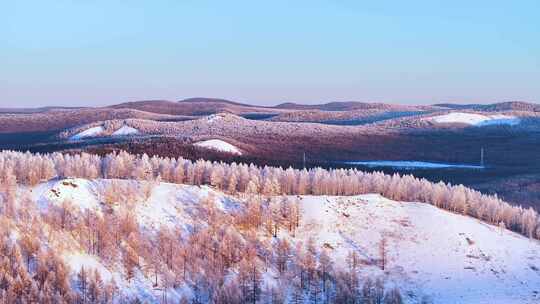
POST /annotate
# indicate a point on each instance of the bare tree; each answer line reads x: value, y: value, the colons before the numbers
x: 383, y: 252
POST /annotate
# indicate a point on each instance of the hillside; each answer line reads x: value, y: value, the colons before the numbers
x: 55, y: 119
x: 224, y: 124
x: 352, y: 117
x: 487, y: 264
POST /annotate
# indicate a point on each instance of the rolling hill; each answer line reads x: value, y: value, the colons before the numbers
x: 329, y: 134
x: 195, y: 107
x: 429, y: 253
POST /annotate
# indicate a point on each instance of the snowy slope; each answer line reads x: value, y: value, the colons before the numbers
x: 125, y: 130
x: 219, y: 145
x: 95, y: 131
x: 454, y: 259
x: 476, y: 119
x: 431, y: 252
x: 170, y: 205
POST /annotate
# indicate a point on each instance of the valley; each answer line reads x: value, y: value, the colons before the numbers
x: 509, y: 133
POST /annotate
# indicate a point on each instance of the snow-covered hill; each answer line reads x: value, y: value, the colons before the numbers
x: 429, y: 252
x: 453, y: 258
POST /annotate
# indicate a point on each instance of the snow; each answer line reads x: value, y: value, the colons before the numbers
x: 96, y: 131
x: 125, y: 130
x: 169, y: 204
x: 448, y: 257
x: 476, y: 119
x: 219, y: 145
x: 77, y: 260
x: 82, y: 193
x: 214, y: 117
x: 91, y: 132
x: 431, y: 252
x: 405, y: 164
x: 139, y: 286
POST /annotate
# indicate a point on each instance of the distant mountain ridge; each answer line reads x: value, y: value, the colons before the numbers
x: 193, y: 106
x: 215, y: 100
x: 348, y: 113
x: 36, y: 110
x: 345, y: 106
x: 198, y: 106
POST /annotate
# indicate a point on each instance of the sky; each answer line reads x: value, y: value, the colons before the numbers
x: 100, y: 52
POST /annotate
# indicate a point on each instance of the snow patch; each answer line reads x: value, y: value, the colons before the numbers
x: 95, y: 131
x: 218, y: 145
x: 78, y: 260
x: 125, y: 130
x: 213, y: 118
x: 478, y: 120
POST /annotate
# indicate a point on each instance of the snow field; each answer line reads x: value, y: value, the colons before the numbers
x: 219, y: 145
x: 478, y: 120
x: 125, y: 130
x: 91, y: 132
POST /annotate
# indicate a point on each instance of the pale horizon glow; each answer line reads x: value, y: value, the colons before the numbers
x: 97, y: 53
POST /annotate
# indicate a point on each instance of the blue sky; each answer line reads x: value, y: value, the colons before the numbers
x: 83, y: 52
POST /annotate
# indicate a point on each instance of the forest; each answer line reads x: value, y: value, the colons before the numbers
x: 222, y: 260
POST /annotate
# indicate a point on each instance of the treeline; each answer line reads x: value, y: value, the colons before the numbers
x: 30, y: 169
